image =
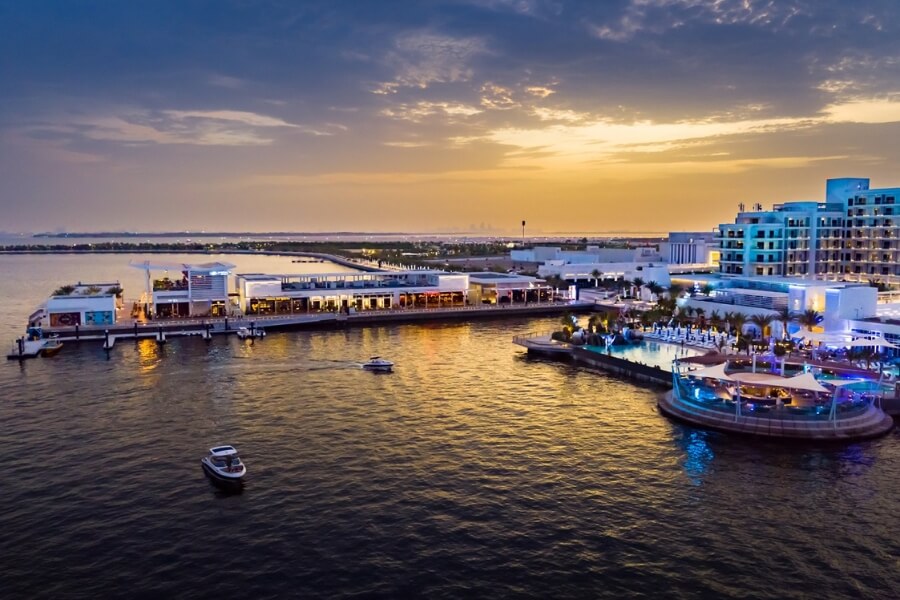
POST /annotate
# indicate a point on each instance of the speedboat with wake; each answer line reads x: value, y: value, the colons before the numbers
x: 378, y: 365
x: 224, y: 467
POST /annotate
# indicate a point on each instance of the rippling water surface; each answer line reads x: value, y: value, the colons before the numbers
x: 471, y: 471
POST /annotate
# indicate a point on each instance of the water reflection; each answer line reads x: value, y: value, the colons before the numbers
x: 698, y: 455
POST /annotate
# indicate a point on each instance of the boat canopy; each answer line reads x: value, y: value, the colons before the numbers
x: 222, y: 451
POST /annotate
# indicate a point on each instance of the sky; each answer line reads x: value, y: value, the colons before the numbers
x: 437, y: 116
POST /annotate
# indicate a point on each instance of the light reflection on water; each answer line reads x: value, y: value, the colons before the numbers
x: 472, y: 471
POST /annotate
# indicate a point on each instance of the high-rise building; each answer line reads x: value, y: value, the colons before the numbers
x: 854, y: 234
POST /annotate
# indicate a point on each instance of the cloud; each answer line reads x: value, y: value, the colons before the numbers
x: 191, y: 127
x: 224, y: 81
x: 570, y: 138
x: 419, y: 111
x: 871, y: 110
x: 424, y: 58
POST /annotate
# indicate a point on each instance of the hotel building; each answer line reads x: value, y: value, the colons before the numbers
x: 852, y: 235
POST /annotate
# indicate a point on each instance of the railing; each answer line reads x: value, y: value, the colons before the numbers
x: 818, y: 413
x: 522, y: 337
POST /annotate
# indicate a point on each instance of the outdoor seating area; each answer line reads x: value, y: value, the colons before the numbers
x: 711, y: 338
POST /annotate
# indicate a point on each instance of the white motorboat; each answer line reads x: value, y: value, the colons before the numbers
x: 34, y: 345
x: 247, y: 333
x: 378, y: 364
x: 224, y: 467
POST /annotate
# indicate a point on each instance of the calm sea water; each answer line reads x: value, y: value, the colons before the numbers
x: 472, y: 471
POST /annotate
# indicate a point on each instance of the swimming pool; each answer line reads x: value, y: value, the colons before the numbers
x: 648, y: 352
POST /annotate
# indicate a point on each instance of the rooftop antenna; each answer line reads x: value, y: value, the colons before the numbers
x: 741, y: 207
x: 757, y: 206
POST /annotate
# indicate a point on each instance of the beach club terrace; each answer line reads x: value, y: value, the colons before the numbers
x: 185, y: 290
x: 264, y: 294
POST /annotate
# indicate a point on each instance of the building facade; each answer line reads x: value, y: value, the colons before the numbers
x: 852, y: 235
x: 690, y: 248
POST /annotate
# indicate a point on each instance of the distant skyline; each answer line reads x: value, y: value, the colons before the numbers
x: 437, y: 116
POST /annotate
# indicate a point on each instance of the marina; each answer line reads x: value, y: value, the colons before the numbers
x: 468, y: 425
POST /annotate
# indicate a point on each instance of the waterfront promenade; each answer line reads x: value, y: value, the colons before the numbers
x: 225, y: 325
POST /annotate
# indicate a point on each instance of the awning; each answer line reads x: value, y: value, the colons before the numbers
x: 876, y: 342
x: 716, y: 372
x: 804, y: 381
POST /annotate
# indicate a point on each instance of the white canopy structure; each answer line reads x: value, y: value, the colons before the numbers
x: 714, y: 372
x: 804, y: 381
x: 829, y: 339
x: 875, y: 342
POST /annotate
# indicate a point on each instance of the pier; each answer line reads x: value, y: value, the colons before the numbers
x: 162, y: 330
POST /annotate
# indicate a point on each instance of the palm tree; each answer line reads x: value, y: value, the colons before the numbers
x: 785, y: 316
x: 715, y: 319
x: 655, y: 289
x: 763, y: 322
x: 701, y: 319
x: 737, y: 322
x: 675, y: 290
x: 596, y: 274
x: 631, y: 314
x: 568, y: 323
x: 810, y: 318
x: 689, y: 312
x: 638, y: 283
x: 593, y: 322
x: 706, y: 290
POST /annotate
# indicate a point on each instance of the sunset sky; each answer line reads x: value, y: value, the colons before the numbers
x: 453, y: 115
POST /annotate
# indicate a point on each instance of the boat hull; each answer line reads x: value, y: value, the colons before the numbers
x: 220, y: 479
x: 51, y: 350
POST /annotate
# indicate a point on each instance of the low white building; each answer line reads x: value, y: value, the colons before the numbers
x: 690, y: 248
x: 186, y: 290
x: 86, y: 304
x: 591, y: 255
x: 838, y: 303
x: 502, y: 288
x: 264, y: 294
x: 629, y: 271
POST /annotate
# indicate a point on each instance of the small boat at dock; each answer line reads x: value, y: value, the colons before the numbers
x: 248, y: 333
x: 378, y: 365
x: 224, y: 467
x: 34, y: 345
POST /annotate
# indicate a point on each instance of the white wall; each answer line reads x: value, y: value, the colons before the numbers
x: 843, y: 304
